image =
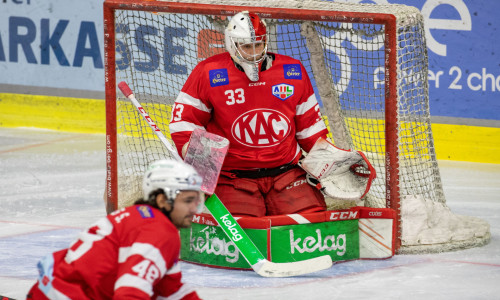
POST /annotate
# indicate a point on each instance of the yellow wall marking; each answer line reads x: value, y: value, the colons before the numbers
x: 452, y: 142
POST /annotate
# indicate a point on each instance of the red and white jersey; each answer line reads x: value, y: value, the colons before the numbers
x: 131, y: 254
x: 266, y: 122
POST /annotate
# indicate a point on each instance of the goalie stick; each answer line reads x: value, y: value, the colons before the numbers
x: 231, y: 228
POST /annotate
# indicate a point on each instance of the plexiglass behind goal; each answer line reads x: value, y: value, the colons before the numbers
x: 368, y: 66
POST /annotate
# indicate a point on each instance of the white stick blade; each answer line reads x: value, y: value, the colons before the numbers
x: 266, y: 268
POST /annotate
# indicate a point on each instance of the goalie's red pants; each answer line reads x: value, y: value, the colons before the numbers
x: 287, y: 193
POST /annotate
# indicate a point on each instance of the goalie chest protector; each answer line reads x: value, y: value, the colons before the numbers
x: 260, y: 119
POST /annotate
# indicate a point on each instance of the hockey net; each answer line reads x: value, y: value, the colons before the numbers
x: 368, y: 66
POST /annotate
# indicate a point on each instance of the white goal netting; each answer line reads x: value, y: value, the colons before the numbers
x: 368, y: 66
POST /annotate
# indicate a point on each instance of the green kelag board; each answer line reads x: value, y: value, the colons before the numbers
x: 299, y: 242
x: 208, y: 245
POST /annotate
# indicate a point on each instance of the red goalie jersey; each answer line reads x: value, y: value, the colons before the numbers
x: 131, y: 254
x: 267, y: 122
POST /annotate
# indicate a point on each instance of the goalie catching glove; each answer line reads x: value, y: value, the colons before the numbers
x: 337, y: 173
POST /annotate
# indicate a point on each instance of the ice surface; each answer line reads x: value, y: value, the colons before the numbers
x: 51, y: 187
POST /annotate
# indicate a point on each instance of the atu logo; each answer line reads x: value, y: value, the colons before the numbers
x: 261, y: 128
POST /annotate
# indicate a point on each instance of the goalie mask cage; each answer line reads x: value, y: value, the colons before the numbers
x: 368, y: 66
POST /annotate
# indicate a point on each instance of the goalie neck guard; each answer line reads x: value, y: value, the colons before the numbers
x: 172, y: 177
x: 246, y: 41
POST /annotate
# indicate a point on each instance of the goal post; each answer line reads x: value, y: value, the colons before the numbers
x: 368, y: 67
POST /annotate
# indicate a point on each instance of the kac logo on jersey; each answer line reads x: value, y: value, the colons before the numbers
x: 292, y: 71
x: 283, y: 91
x: 218, y: 77
x: 261, y: 128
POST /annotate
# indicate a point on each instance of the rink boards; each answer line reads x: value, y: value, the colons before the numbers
x: 356, y: 233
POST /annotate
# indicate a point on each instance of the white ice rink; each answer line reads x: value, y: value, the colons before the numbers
x: 51, y: 187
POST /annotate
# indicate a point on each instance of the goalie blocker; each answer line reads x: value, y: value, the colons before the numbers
x: 338, y: 173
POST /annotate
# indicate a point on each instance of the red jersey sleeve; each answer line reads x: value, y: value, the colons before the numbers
x: 191, y: 109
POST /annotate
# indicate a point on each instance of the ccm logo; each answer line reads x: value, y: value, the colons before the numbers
x: 256, y: 83
x: 296, y: 183
x: 375, y: 214
x: 327, y: 167
x: 344, y: 215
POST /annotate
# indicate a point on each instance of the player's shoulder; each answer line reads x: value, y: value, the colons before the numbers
x: 148, y: 225
x: 143, y: 214
x: 206, y: 68
x: 291, y: 68
x: 281, y: 59
x: 144, y: 211
x: 218, y: 60
x: 147, y: 212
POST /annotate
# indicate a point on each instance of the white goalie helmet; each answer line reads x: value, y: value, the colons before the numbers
x: 246, y: 41
x: 173, y: 177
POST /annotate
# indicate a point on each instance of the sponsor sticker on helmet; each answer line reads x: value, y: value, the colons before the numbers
x: 292, y: 71
x: 218, y: 77
x: 283, y: 91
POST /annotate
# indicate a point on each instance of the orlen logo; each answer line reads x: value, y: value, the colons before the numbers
x: 261, y: 128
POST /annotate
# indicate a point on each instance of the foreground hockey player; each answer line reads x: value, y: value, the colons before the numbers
x: 133, y: 252
x: 264, y: 104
